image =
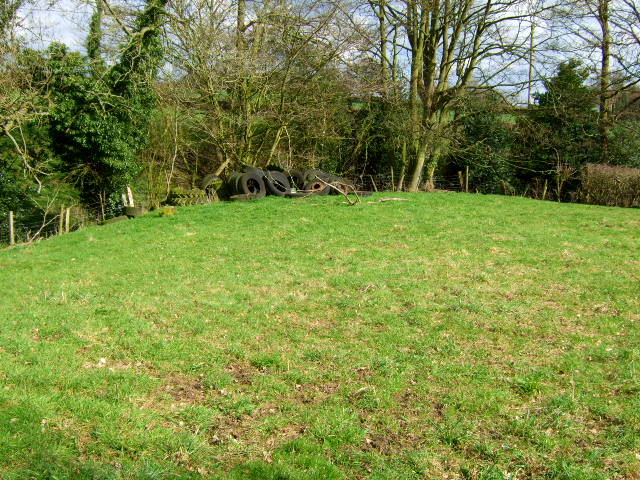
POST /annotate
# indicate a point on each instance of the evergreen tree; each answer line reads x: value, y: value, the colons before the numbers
x: 565, y: 120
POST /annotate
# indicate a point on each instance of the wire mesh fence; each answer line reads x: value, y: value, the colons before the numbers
x: 30, y: 228
x: 392, y: 183
x: 537, y: 188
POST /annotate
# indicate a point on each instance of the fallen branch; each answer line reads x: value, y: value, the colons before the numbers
x: 343, y: 191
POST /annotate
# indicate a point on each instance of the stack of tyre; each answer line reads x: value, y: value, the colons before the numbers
x: 254, y: 182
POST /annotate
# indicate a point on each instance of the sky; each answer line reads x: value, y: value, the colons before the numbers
x: 66, y: 21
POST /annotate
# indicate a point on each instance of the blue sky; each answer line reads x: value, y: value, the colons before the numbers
x: 66, y: 21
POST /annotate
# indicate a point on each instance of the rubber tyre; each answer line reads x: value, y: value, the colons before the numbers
x: 343, y: 185
x: 251, y: 169
x: 210, y: 181
x: 317, y: 188
x: 296, y: 179
x: 233, y: 182
x: 251, y: 183
x: 313, y: 174
x: 277, y: 183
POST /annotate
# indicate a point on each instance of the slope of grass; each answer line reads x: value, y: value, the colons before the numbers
x: 445, y: 336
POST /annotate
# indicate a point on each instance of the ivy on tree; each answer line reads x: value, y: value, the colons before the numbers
x: 100, y: 116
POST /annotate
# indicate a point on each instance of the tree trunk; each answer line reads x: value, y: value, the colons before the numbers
x: 384, y: 59
x: 240, y: 23
x: 417, y: 171
x: 605, y: 106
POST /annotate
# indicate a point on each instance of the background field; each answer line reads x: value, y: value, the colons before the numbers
x: 446, y: 336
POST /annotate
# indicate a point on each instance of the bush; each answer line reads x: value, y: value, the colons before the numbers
x: 608, y: 185
x: 625, y: 144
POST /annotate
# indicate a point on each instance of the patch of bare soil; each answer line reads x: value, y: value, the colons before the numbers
x: 315, y: 393
x: 243, y: 372
x: 186, y: 390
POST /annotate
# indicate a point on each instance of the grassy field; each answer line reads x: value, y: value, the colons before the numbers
x: 448, y: 336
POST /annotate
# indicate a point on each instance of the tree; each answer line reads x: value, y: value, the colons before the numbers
x: 485, y: 142
x: 270, y: 88
x: 560, y: 134
x: 23, y: 106
x: 449, y: 40
x: 605, y: 35
x: 100, y: 118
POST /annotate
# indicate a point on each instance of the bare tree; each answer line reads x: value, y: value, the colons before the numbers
x: 605, y: 35
x: 253, y: 76
x: 449, y: 43
x: 20, y: 101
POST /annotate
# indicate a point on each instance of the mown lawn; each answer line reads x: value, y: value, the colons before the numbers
x: 445, y: 336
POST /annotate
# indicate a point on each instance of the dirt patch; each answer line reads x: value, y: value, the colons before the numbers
x: 364, y: 372
x: 186, y: 390
x: 242, y: 372
x: 392, y: 443
x: 314, y: 393
x: 231, y: 428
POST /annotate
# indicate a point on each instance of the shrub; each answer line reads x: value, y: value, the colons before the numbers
x: 625, y: 144
x: 608, y: 185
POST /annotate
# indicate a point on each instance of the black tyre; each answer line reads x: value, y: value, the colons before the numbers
x: 233, y: 182
x: 317, y: 187
x: 210, y: 181
x: 342, y: 185
x: 296, y: 179
x: 251, y: 169
x: 314, y: 174
x: 277, y: 183
x: 251, y: 183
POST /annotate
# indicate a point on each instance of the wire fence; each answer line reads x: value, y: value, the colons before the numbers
x: 389, y: 183
x: 31, y: 228
x: 537, y: 188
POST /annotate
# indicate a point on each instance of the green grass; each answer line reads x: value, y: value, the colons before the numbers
x: 447, y: 336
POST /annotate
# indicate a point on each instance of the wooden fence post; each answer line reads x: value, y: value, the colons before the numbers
x: 66, y: 220
x: 393, y: 183
x: 61, y: 221
x: 466, y: 180
x: 12, y: 237
x: 373, y: 183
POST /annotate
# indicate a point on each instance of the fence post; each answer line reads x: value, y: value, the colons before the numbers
x: 61, y: 221
x: 373, y: 183
x: 393, y: 183
x: 66, y: 220
x: 12, y: 237
x: 466, y: 180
